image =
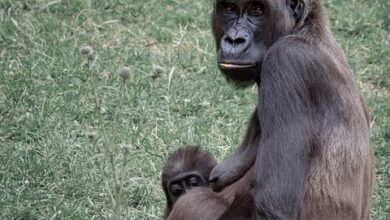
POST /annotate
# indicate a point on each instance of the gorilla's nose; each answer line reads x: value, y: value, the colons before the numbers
x: 235, y: 42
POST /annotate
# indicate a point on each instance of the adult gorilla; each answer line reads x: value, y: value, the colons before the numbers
x: 307, y: 146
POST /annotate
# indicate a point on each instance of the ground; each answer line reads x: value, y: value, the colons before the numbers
x: 77, y: 141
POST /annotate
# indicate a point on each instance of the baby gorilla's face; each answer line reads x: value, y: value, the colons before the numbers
x: 182, y: 183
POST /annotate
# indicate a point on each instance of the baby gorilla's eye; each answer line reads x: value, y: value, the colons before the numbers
x: 176, y: 190
x: 256, y: 10
x: 194, y: 181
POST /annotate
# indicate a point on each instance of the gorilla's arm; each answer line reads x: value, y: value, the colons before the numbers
x: 234, y: 167
x: 294, y: 81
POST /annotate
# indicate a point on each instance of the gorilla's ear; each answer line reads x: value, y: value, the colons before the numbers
x: 296, y: 7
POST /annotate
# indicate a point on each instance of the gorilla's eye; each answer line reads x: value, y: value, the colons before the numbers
x: 176, y: 190
x: 256, y: 10
x: 228, y: 8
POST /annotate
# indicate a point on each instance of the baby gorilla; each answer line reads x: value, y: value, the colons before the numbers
x: 185, y: 168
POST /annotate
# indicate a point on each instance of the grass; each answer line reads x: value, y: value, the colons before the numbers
x: 56, y: 162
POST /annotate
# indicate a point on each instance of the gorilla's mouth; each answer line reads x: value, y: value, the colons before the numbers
x: 229, y: 66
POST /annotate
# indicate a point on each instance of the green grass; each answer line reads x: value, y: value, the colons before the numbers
x: 50, y: 103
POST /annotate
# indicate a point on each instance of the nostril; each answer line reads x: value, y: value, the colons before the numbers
x: 239, y: 41
x: 235, y: 41
x: 229, y: 40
